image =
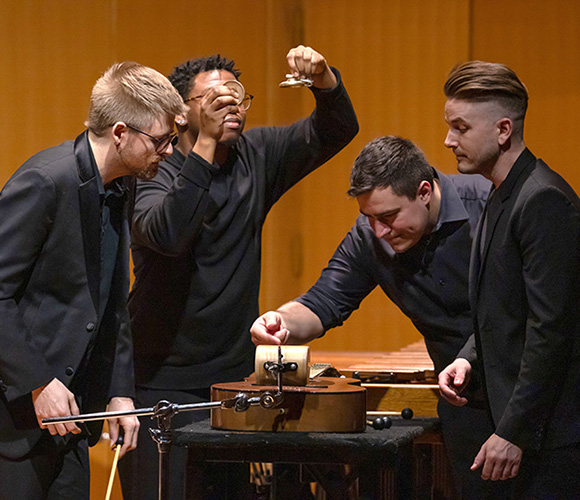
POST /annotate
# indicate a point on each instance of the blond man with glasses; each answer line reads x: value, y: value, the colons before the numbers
x: 64, y: 278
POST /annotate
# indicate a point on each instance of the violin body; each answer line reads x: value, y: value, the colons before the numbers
x: 325, y: 404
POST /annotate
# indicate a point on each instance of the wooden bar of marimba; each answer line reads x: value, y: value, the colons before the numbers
x: 393, y: 380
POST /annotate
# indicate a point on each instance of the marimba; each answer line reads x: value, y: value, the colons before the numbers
x: 396, y: 380
x: 393, y: 380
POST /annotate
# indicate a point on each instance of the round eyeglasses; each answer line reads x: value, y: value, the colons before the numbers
x: 161, y: 143
x: 244, y: 102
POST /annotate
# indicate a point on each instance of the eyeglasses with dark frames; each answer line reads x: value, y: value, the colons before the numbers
x: 245, y: 103
x: 161, y: 143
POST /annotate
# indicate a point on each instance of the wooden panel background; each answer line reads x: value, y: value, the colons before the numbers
x: 394, y: 56
x: 540, y: 41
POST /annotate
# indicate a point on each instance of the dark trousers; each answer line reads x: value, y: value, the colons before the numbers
x: 56, y: 469
x: 549, y: 475
x: 139, y: 469
x: 464, y: 430
x: 544, y: 475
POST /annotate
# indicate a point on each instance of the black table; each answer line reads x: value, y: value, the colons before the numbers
x: 381, y: 460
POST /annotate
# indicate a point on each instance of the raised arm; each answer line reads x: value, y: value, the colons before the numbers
x: 305, y: 62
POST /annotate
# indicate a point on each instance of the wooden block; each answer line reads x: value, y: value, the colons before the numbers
x: 421, y: 398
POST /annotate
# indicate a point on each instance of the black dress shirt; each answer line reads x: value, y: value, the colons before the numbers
x: 429, y: 282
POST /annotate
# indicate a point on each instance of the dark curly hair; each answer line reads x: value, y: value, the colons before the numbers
x: 183, y: 76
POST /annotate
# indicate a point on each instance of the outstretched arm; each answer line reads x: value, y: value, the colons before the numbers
x: 291, y: 323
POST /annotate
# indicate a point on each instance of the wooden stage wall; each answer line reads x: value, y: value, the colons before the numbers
x: 394, y: 56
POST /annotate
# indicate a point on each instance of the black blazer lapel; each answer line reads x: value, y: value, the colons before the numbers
x: 475, y: 262
x: 496, y: 204
x: 494, y: 210
x: 90, y: 215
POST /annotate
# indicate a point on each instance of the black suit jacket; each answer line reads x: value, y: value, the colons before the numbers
x: 50, y: 260
x: 525, y: 297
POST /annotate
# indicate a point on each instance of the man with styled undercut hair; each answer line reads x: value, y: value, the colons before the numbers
x: 412, y: 239
x: 524, y: 291
x: 65, y: 346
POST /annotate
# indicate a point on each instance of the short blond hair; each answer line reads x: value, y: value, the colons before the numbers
x: 134, y: 94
